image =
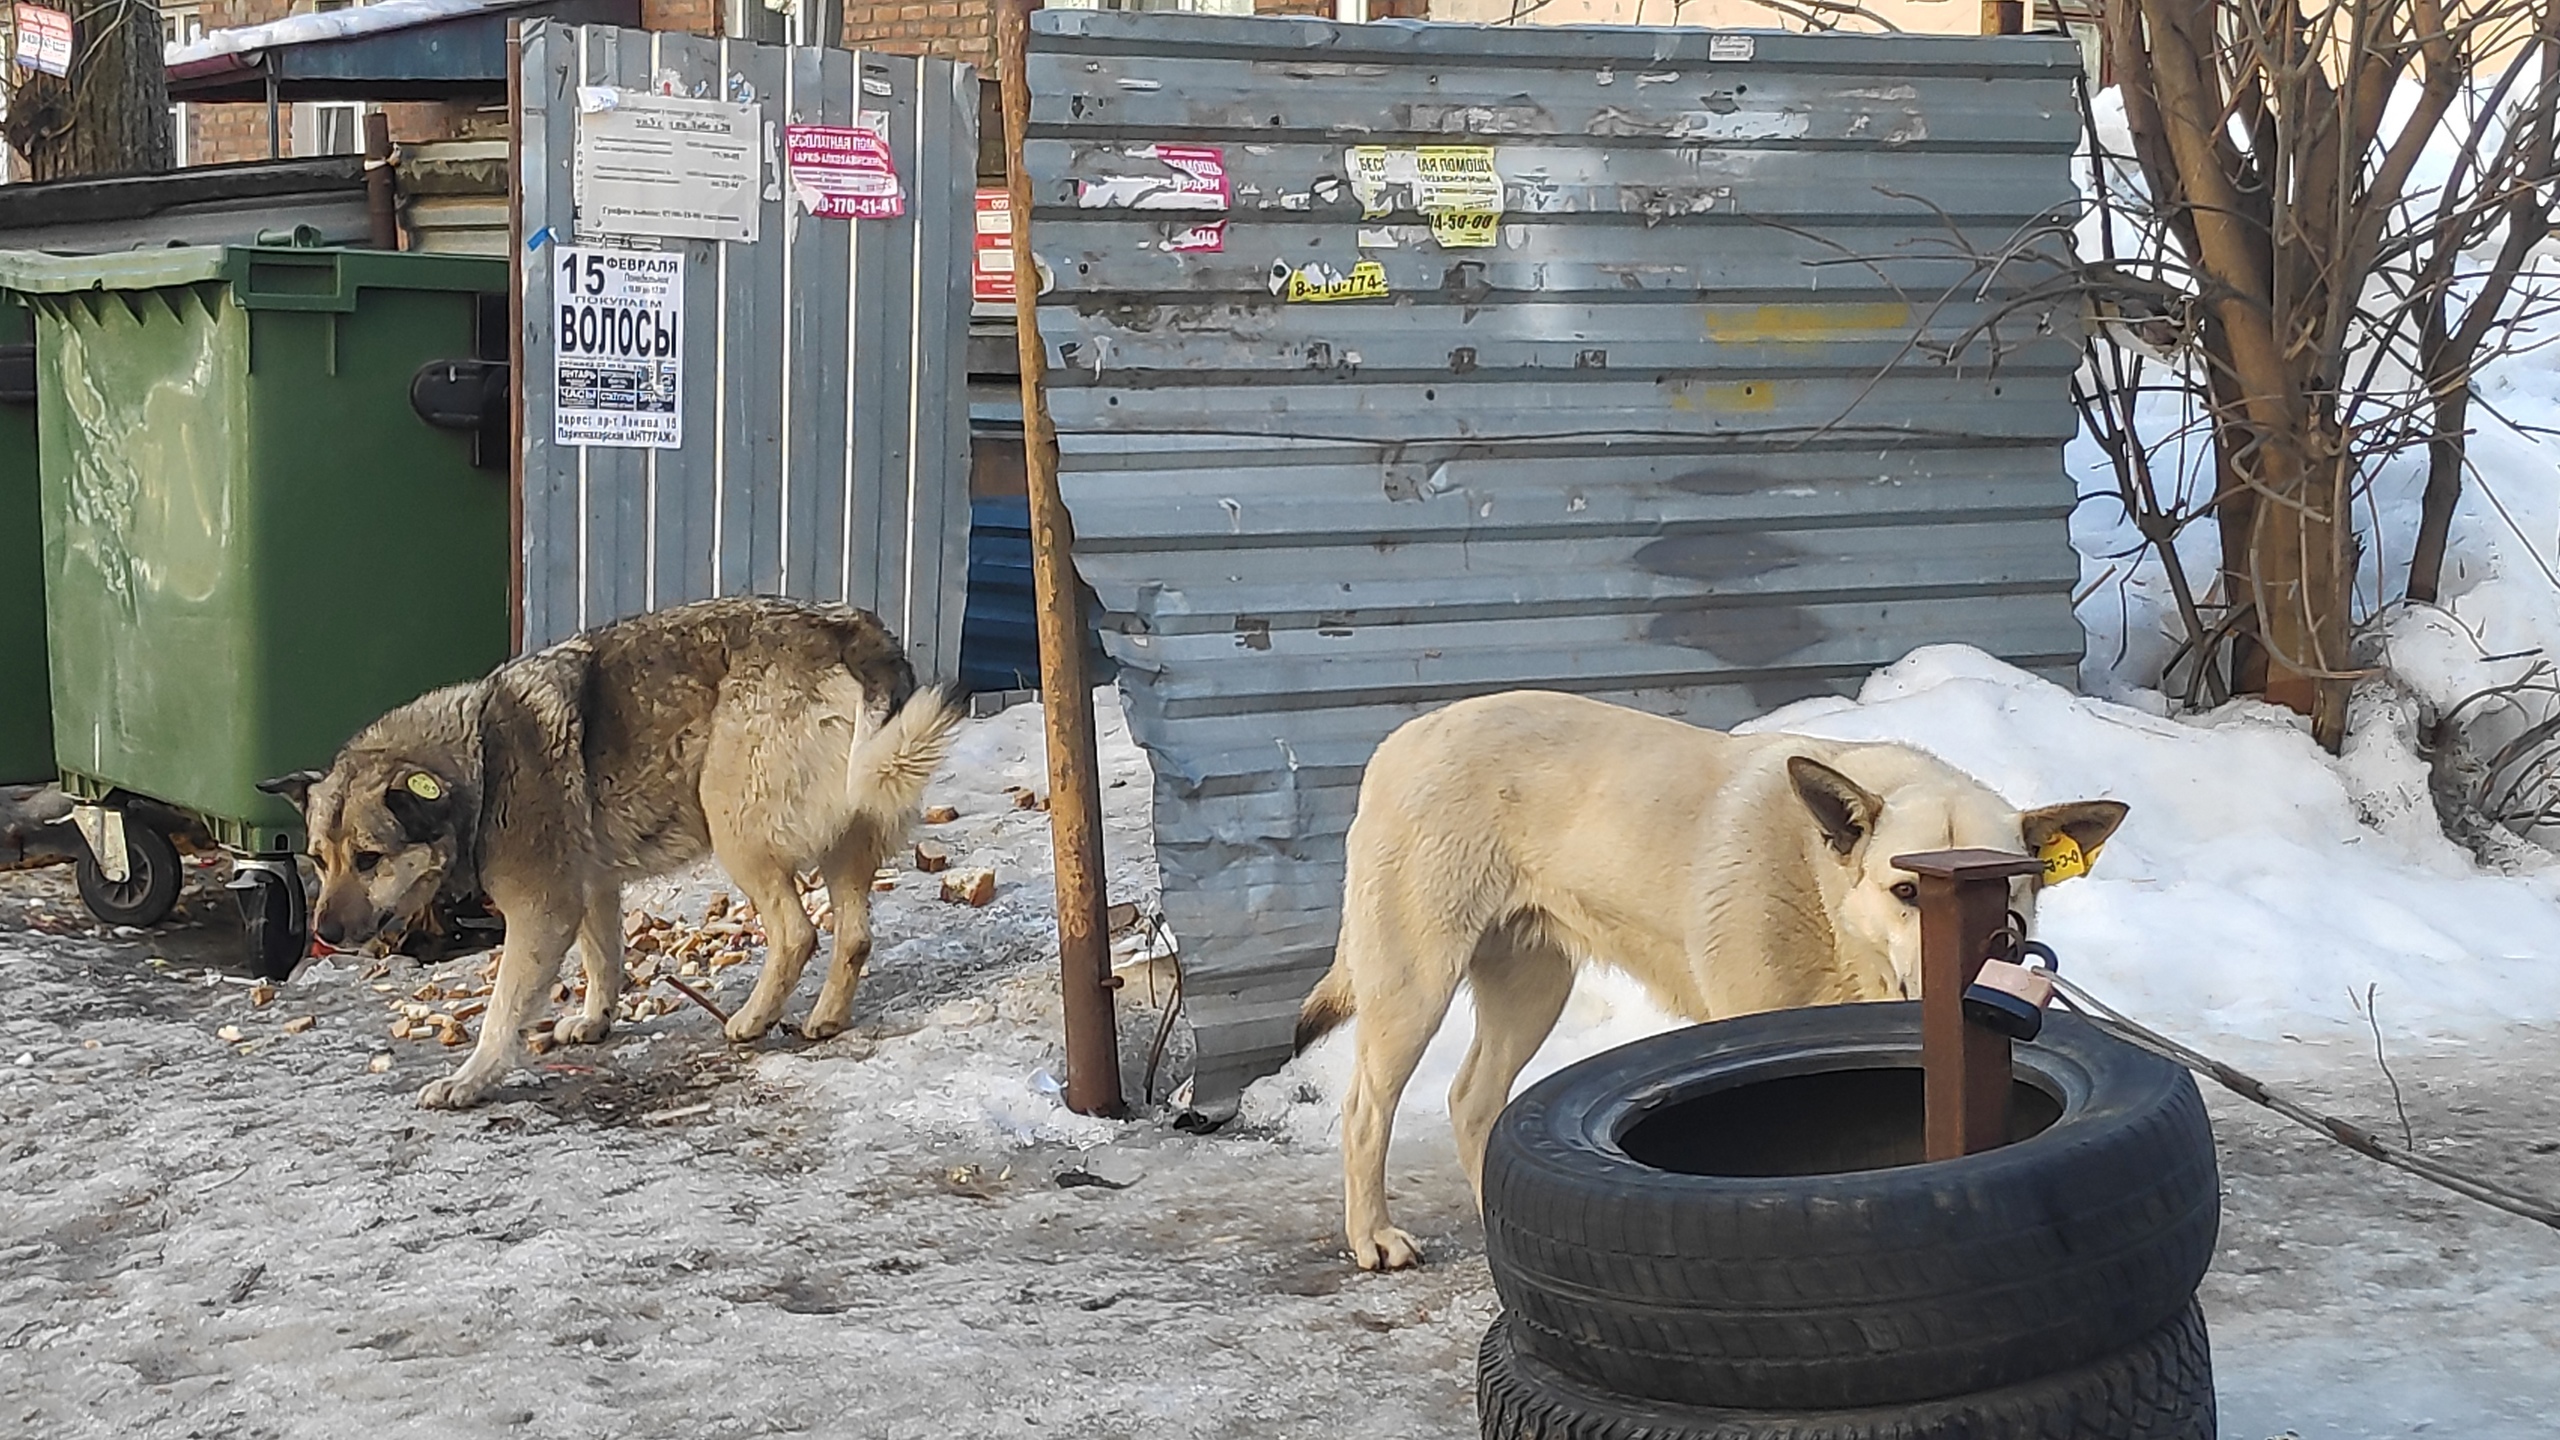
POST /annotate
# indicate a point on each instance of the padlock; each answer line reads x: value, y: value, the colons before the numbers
x: 2010, y: 997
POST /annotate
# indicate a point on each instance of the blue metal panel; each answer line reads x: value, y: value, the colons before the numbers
x: 999, y: 635
x: 999, y: 643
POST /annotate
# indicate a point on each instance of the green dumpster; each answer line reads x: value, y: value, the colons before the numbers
x: 254, y: 544
x: 26, y: 709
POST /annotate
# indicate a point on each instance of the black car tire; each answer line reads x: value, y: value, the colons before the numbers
x: 1822, y: 1287
x: 2160, y: 1388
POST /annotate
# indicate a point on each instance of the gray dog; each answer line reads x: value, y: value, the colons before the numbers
x: 775, y: 735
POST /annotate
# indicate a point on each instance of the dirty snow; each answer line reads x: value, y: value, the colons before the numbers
x: 901, y: 1233
x: 665, y: 1237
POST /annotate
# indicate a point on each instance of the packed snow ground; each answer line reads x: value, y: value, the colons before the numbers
x: 901, y: 1233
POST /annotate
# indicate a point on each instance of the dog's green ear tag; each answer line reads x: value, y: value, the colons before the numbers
x: 2064, y: 859
x: 426, y: 787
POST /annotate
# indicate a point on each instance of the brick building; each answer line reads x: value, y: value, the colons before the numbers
x: 212, y: 134
x: 966, y: 29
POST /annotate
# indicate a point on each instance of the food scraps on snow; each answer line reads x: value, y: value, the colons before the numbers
x: 654, y: 946
x: 969, y: 887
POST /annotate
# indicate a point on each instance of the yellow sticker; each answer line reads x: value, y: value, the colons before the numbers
x: 1458, y: 187
x: 1367, y: 281
x: 424, y: 786
x: 2064, y: 859
x: 1465, y: 229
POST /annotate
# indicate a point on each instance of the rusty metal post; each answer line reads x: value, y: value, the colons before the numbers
x: 1075, y: 784
x: 1964, y: 902
x: 2004, y: 17
x: 382, y: 208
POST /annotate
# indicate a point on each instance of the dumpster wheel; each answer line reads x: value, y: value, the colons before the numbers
x: 152, y: 878
x: 273, y: 915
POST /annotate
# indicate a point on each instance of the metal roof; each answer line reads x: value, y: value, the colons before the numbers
x: 437, y: 57
x: 198, y: 205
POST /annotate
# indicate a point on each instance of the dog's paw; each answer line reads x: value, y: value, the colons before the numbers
x: 1386, y: 1248
x: 451, y: 1093
x: 580, y: 1029
x: 745, y: 1028
x: 823, y: 1027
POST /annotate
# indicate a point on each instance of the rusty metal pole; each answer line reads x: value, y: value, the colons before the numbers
x: 1964, y: 902
x: 1075, y: 784
x: 382, y: 209
x: 2004, y: 17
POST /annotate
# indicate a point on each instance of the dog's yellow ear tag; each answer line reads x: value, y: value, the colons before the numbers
x: 2064, y: 859
x: 426, y: 787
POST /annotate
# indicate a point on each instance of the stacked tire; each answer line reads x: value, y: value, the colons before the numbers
x: 1719, y: 1232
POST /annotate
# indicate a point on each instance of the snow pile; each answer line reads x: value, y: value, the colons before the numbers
x: 324, y: 25
x: 2257, y: 890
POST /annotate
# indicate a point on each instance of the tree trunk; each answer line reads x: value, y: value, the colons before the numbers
x: 2235, y: 513
x: 2444, y: 488
x: 110, y: 115
x: 2298, y: 556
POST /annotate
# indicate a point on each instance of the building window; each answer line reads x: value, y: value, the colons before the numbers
x: 338, y: 129
x: 181, y: 24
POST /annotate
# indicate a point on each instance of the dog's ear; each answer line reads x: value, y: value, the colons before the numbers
x: 295, y: 787
x: 1841, y: 806
x: 422, y: 801
x: 2087, y: 822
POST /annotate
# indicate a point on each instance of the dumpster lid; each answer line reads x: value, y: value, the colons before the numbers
x: 260, y: 277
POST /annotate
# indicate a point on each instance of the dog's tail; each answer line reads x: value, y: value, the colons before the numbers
x: 1326, y: 1008
x: 892, y: 767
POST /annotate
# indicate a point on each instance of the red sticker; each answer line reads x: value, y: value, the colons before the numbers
x: 843, y: 172
x: 1182, y: 177
x: 991, y: 274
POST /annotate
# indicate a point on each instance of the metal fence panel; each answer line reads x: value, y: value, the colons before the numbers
x: 826, y: 425
x: 1740, y: 404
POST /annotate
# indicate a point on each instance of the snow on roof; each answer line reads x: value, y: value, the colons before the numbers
x: 326, y: 25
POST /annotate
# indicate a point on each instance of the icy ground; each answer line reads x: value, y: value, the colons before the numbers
x: 900, y: 1233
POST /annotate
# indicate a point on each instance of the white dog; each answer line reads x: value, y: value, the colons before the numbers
x: 1504, y: 840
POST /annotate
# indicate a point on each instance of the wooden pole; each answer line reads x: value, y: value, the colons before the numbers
x: 1964, y: 902
x: 2004, y: 17
x: 1075, y: 785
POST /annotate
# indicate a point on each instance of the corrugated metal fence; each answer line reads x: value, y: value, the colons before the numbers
x: 825, y: 420
x: 1714, y: 415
